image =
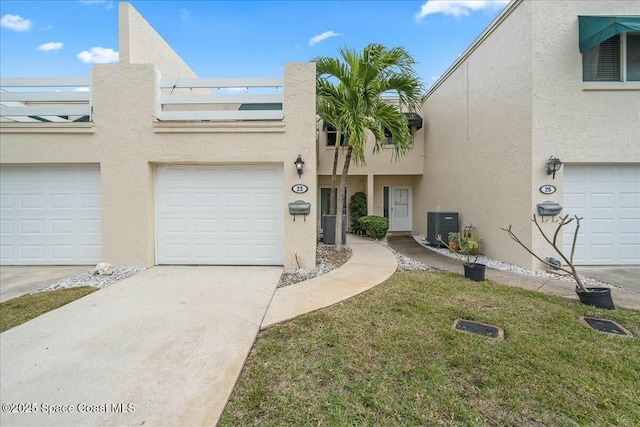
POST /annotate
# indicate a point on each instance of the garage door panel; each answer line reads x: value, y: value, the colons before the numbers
x: 32, y: 253
x: 608, y: 198
x: 31, y: 201
x: 602, y: 201
x: 228, y: 211
x: 206, y: 251
x: 62, y: 253
x: 629, y: 253
x: 574, y: 201
x: 629, y: 200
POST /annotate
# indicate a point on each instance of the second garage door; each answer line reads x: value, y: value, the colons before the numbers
x: 608, y: 197
x: 219, y: 215
x: 50, y: 215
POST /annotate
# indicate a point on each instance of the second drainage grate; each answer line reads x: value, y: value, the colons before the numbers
x: 489, y: 331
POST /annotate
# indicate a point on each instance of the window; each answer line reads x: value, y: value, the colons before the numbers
x: 616, y: 59
x: 389, y: 136
x: 332, y: 135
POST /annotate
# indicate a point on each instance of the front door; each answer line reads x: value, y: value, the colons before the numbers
x: 401, y: 208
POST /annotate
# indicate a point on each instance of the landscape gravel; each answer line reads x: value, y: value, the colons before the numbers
x: 120, y: 272
x: 505, y: 266
x: 327, y: 259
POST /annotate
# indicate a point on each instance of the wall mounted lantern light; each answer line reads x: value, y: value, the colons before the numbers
x: 553, y: 165
x: 299, y: 165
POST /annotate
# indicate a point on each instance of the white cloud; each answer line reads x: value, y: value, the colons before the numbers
x: 185, y: 15
x: 107, y: 3
x: 457, y: 7
x: 321, y: 37
x: 15, y: 23
x: 48, y: 47
x: 99, y: 55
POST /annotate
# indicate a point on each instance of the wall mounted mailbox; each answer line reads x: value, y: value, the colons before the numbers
x: 299, y: 207
x: 549, y: 208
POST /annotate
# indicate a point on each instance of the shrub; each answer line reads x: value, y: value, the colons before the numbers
x: 357, y: 209
x: 374, y: 226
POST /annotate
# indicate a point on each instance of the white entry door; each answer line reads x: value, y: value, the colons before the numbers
x: 224, y: 215
x: 401, y: 208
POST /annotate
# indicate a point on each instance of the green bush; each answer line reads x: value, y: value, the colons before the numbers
x: 374, y: 226
x: 357, y: 209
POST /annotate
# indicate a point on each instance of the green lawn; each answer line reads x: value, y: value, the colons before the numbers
x: 19, y: 310
x: 391, y: 357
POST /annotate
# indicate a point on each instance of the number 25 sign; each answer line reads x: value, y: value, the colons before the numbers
x: 547, y: 189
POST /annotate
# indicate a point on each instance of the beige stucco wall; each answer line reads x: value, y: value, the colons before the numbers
x: 128, y: 144
x: 139, y: 43
x: 477, y: 140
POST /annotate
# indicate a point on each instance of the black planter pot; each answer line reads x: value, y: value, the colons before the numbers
x: 474, y: 272
x: 598, y: 297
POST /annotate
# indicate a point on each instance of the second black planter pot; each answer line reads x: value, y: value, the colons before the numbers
x: 597, y: 297
x: 474, y: 272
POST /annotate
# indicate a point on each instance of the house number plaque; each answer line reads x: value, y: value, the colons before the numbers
x: 548, y: 189
x: 299, y: 188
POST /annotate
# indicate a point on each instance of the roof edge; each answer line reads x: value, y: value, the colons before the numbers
x: 492, y: 26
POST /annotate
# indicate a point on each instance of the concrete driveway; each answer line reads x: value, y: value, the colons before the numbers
x: 21, y: 280
x: 161, y: 348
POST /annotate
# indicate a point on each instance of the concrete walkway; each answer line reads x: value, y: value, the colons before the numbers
x: 370, y: 264
x: 162, y: 348
x: 406, y: 245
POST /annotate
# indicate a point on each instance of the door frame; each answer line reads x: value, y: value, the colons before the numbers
x: 392, y: 226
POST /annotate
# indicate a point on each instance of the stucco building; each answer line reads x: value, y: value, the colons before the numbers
x: 151, y: 166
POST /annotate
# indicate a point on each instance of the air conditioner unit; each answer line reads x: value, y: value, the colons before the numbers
x: 441, y: 223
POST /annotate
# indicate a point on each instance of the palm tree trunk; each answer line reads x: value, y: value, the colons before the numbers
x: 340, y: 207
x: 332, y: 193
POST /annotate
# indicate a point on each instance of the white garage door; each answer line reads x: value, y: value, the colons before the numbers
x: 220, y: 215
x: 50, y: 215
x: 608, y: 197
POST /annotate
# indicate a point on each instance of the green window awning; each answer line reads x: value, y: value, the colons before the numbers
x: 593, y: 30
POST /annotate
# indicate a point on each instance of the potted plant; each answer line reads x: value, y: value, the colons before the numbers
x: 454, y: 241
x: 469, y: 240
x: 469, y: 252
x: 596, y: 296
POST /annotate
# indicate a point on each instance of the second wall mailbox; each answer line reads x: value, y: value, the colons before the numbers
x: 549, y: 208
x: 299, y: 207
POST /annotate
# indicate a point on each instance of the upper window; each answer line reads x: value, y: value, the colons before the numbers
x: 616, y: 59
x: 389, y: 136
x: 332, y: 136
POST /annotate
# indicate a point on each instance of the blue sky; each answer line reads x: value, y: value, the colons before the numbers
x: 237, y: 38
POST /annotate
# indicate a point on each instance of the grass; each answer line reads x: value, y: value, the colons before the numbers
x: 19, y: 310
x: 390, y: 357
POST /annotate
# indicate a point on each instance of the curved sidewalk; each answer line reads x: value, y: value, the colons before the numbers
x: 370, y: 264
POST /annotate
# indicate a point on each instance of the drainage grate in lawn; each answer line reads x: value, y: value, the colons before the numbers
x: 608, y: 326
x: 478, y: 328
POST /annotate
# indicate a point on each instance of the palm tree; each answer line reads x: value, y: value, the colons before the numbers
x: 349, y: 94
